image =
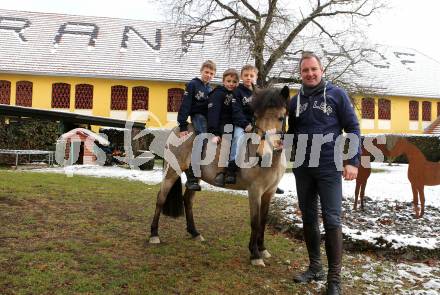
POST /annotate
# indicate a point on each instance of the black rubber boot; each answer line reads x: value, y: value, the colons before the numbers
x: 279, y: 191
x: 333, y: 248
x: 312, y: 237
x: 231, y: 171
x: 219, y: 179
x: 192, y: 182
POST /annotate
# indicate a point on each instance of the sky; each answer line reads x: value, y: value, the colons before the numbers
x: 407, y: 23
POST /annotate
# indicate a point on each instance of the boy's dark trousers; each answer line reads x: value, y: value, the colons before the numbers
x: 200, y: 124
x: 326, y: 183
x: 227, y: 176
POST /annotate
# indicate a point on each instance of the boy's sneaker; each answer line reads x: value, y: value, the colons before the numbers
x: 230, y: 177
x: 219, y: 179
x: 231, y: 172
x: 193, y: 185
x: 192, y: 182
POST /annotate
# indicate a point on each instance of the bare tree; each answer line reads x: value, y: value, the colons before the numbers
x: 269, y: 28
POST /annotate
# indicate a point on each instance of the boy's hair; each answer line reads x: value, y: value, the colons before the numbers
x: 208, y: 64
x: 309, y: 55
x: 231, y: 72
x: 249, y: 67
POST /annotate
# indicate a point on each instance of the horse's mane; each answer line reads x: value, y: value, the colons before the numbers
x: 267, y: 98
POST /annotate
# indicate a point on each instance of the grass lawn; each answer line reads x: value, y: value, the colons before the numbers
x: 83, y: 235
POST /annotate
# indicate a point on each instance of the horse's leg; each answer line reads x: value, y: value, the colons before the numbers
x: 356, y: 193
x: 422, y: 200
x: 188, y: 198
x: 254, y: 205
x: 264, y: 210
x: 363, y: 186
x: 415, y: 199
x: 168, y: 182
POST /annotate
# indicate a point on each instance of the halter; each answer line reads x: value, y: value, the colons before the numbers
x: 255, y: 129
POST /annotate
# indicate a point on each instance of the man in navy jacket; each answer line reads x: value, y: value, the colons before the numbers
x: 317, y: 116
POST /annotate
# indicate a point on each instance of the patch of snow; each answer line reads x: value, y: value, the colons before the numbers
x: 147, y: 176
x: 406, y: 275
x: 397, y: 241
x: 432, y: 284
x: 422, y: 270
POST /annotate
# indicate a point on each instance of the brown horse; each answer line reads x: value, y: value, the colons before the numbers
x: 261, y: 181
x: 420, y: 172
x: 364, y: 172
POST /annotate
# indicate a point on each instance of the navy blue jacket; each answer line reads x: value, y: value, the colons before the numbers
x: 242, y: 112
x: 219, y: 109
x: 195, y: 101
x: 313, y: 119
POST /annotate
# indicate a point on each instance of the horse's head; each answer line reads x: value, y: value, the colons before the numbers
x: 270, y: 108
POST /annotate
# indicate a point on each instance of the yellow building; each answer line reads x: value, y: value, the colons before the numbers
x: 396, y: 114
x: 129, y: 69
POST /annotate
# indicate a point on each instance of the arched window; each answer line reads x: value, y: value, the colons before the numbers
x: 140, y: 98
x: 61, y: 95
x: 5, y: 92
x: 119, y: 98
x: 414, y: 110
x: 426, y: 111
x: 384, y: 109
x: 175, y: 96
x: 367, y: 108
x: 23, y: 93
x: 84, y: 96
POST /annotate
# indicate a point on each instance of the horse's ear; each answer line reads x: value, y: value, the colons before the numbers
x: 285, y: 92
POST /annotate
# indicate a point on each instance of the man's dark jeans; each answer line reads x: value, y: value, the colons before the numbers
x: 325, y: 183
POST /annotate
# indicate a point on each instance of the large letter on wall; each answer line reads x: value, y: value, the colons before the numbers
x: 152, y: 46
x: 63, y: 30
x: 189, y: 38
x: 17, y: 29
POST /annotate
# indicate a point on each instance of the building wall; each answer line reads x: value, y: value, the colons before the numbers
x: 400, y: 119
x: 399, y: 122
x: 42, y: 94
x: 158, y: 95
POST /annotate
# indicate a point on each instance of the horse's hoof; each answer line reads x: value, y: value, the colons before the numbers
x: 154, y: 240
x: 200, y: 238
x: 258, y: 262
x: 266, y: 254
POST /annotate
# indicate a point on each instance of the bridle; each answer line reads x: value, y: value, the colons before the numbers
x: 262, y: 133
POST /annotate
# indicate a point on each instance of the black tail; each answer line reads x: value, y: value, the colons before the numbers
x: 173, y: 206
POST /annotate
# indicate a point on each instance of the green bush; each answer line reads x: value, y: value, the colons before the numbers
x: 427, y: 144
x: 28, y: 134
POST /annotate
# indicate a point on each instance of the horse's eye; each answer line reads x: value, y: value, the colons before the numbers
x: 281, y: 119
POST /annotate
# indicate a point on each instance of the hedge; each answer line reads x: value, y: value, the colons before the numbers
x: 428, y: 144
x: 27, y: 134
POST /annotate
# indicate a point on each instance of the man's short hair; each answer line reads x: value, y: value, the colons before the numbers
x: 231, y: 72
x: 209, y: 64
x: 309, y: 55
x: 249, y: 67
